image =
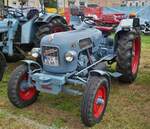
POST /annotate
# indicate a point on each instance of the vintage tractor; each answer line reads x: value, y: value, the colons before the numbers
x: 19, y: 31
x: 82, y: 56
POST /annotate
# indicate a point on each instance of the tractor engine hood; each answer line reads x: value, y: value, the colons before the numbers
x: 57, y: 45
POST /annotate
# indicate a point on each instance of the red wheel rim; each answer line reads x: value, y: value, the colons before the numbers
x: 135, y: 55
x: 58, y: 29
x: 29, y: 93
x: 98, y: 107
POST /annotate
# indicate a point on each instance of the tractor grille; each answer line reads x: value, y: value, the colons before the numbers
x: 50, y: 56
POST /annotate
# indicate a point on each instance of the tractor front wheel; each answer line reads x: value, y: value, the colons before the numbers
x: 95, y: 100
x: 128, y: 56
x: 19, y: 93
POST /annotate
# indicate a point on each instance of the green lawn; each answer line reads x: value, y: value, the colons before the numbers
x: 128, y: 107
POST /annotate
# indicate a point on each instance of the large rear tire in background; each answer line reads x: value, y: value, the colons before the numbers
x: 128, y: 56
x: 19, y: 94
x: 2, y: 65
x: 56, y: 25
x: 95, y: 100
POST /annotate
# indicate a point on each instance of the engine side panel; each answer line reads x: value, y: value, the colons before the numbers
x: 27, y: 32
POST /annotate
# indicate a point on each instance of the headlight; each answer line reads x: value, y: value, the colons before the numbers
x: 35, y: 52
x: 70, y: 55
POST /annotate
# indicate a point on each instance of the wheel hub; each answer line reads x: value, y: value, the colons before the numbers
x: 24, y: 85
x: 26, y: 92
x: 99, y: 101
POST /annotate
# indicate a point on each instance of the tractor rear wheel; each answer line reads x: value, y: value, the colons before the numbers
x: 128, y: 56
x: 19, y: 93
x: 95, y: 100
x: 56, y: 25
x: 2, y: 65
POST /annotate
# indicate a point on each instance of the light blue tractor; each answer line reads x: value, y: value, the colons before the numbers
x: 82, y: 57
x: 22, y: 28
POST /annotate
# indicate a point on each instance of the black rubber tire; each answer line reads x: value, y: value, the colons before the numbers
x: 13, y: 88
x: 124, y: 56
x: 93, y: 85
x: 18, y: 55
x: 46, y: 29
x: 2, y: 65
x: 142, y: 27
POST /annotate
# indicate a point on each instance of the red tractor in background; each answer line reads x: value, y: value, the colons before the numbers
x: 110, y: 20
x: 104, y: 19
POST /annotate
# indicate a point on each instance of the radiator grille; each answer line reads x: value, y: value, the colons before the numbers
x: 50, y: 56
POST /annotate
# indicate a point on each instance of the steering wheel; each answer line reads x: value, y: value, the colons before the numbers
x: 90, y: 21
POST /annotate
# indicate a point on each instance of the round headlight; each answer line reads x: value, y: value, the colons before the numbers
x: 70, y: 55
x: 35, y: 52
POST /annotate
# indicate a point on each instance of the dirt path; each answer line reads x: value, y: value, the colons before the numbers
x: 127, y: 104
x: 11, y: 118
x: 37, y: 116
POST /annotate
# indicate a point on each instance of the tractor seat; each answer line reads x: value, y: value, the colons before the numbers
x: 104, y: 29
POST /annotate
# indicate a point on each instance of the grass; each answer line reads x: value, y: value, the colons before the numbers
x: 144, y: 70
x: 128, y: 106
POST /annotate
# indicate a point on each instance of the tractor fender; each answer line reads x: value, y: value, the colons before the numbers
x: 100, y: 73
x: 2, y: 65
x: 128, y: 25
x: 125, y: 25
x: 131, y: 26
x: 47, y: 18
x: 30, y: 62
